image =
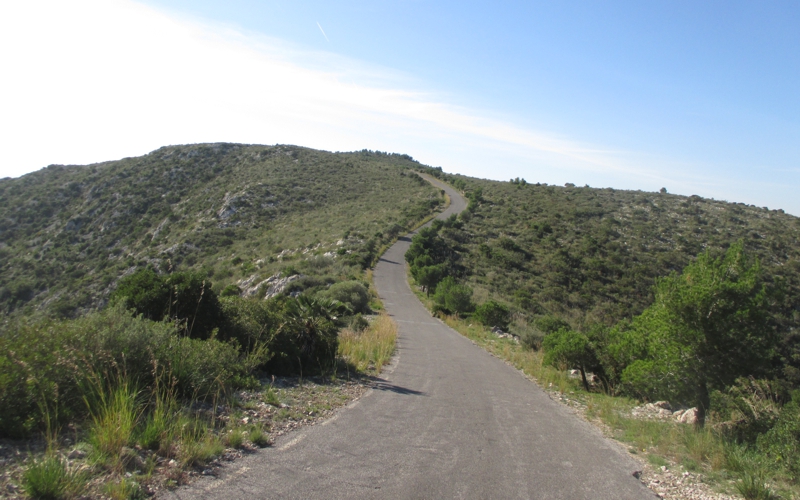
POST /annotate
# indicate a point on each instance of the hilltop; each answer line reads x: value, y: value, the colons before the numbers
x: 234, y: 212
x: 583, y: 255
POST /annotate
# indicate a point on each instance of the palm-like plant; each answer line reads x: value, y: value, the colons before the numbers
x: 312, y: 323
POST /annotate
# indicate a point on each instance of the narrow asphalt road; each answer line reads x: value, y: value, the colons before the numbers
x: 448, y: 420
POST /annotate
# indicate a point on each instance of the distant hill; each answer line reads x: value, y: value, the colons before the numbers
x: 587, y: 255
x: 68, y: 233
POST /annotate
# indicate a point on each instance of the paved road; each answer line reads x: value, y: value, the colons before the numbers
x: 448, y: 421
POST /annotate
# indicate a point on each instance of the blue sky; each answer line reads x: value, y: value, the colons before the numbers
x: 699, y: 97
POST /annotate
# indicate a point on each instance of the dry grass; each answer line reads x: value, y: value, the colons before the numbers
x: 372, y: 348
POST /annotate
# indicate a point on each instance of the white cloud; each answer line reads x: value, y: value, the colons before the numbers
x: 94, y: 80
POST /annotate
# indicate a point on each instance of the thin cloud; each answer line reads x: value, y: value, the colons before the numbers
x: 95, y: 80
x: 323, y: 32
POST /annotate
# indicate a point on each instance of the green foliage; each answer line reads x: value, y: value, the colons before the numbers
x: 453, y: 297
x: 230, y: 291
x: 51, y: 479
x: 492, y: 313
x: 228, y: 210
x: 307, y: 341
x: 183, y: 296
x: 48, y: 363
x: 351, y: 293
x: 570, y: 349
x: 114, y: 413
x: 782, y: 442
x: 707, y: 327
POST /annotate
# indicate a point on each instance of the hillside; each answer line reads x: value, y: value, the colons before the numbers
x: 585, y: 255
x: 235, y: 212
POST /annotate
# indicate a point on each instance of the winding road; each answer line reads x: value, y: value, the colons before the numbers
x: 447, y: 420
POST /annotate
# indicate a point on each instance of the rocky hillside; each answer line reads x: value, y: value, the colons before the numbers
x: 236, y: 212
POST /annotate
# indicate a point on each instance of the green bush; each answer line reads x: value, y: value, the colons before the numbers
x: 352, y: 293
x: 782, y: 442
x: 183, y: 296
x: 492, y: 314
x: 49, y: 364
x: 453, y: 297
x: 249, y: 321
x: 307, y: 340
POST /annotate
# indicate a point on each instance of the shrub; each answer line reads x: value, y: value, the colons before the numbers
x: 250, y: 322
x: 782, y: 442
x: 230, y: 291
x: 453, y: 297
x: 352, y: 293
x: 49, y: 364
x: 184, y: 296
x: 492, y: 314
x: 306, y: 340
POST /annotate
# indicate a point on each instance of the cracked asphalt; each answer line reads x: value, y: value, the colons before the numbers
x: 446, y: 420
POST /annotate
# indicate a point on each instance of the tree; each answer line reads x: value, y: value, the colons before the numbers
x: 567, y: 348
x: 429, y: 276
x: 706, y: 327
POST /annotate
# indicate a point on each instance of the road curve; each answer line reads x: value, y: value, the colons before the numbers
x: 448, y: 420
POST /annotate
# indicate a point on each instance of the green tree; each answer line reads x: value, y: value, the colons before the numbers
x: 567, y: 348
x: 429, y: 276
x: 706, y: 327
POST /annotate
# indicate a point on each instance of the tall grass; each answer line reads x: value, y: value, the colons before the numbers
x: 115, y: 411
x: 52, y: 478
x: 371, y: 348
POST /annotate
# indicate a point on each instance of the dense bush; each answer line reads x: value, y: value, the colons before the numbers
x: 782, y: 442
x: 492, y: 314
x: 45, y: 365
x: 452, y: 297
x: 351, y: 293
x: 183, y: 296
x: 306, y: 340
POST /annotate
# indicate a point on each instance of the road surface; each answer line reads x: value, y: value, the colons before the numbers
x: 447, y: 420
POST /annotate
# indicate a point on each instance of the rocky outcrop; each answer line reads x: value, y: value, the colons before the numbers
x: 276, y: 285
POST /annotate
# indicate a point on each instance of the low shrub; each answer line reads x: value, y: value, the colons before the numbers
x: 492, y: 314
x: 352, y: 293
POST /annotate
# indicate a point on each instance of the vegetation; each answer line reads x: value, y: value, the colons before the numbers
x: 233, y: 213
x: 647, y: 295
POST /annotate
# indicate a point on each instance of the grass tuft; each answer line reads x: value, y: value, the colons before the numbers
x: 753, y: 487
x: 115, y: 414
x: 124, y: 489
x: 371, y: 348
x: 51, y: 478
x: 235, y: 438
x: 258, y: 437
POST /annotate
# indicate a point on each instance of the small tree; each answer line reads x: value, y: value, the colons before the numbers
x: 706, y: 328
x: 570, y: 349
x: 429, y: 276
